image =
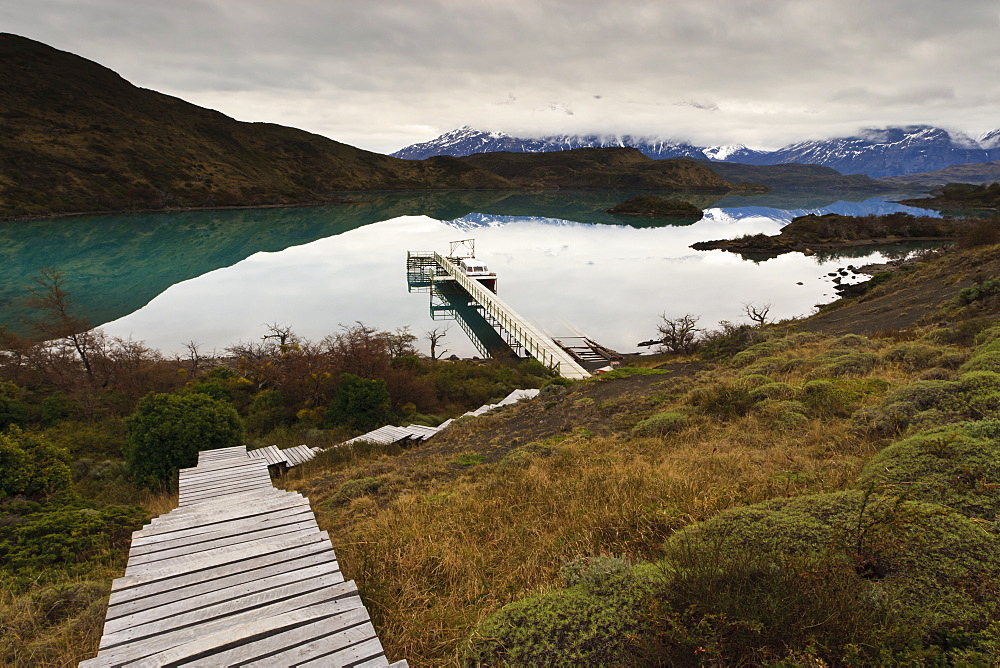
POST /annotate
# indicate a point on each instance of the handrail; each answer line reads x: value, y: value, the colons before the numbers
x: 541, y: 346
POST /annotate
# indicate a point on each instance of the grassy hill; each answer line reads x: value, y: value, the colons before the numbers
x: 77, y: 137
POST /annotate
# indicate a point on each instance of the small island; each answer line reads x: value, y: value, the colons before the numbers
x: 656, y: 207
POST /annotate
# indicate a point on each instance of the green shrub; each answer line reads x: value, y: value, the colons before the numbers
x: 763, y: 349
x: 985, y: 361
x: 779, y: 391
x: 919, y: 567
x: 723, y: 401
x: 595, y: 622
x: 469, y: 459
x: 782, y: 414
x: 32, y: 466
x: 838, y: 363
x: 854, y: 341
x: 826, y: 398
x: 913, y: 356
x: 360, y: 404
x: 956, y: 466
x: 523, y: 455
x: 267, y: 412
x: 987, y: 288
x: 661, y: 424
x: 63, y: 536
x: 753, y: 380
x: 167, y: 431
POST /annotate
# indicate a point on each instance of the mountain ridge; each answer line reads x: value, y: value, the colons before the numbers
x: 875, y: 152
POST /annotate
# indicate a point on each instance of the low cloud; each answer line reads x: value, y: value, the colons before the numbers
x: 384, y: 74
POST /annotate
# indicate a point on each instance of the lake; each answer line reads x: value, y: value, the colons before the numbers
x: 219, y: 277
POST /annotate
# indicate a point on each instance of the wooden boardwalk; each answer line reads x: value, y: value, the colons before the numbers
x: 238, y: 575
x: 538, y: 344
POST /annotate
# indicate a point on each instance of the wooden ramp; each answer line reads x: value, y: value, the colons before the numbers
x: 238, y: 575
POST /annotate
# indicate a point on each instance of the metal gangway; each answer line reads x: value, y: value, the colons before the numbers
x: 536, y: 343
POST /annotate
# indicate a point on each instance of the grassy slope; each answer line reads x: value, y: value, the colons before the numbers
x: 436, y: 544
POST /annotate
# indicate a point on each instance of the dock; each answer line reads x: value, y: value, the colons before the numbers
x: 436, y: 267
x: 238, y: 574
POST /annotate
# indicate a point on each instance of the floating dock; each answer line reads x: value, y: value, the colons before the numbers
x: 432, y: 267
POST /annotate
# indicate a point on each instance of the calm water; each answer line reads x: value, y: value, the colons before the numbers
x: 218, y: 277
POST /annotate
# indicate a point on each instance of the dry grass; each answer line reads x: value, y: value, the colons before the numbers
x: 435, y: 546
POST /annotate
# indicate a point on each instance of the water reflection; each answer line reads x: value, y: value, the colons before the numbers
x: 217, y: 276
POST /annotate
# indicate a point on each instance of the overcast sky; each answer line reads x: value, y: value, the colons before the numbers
x: 382, y: 74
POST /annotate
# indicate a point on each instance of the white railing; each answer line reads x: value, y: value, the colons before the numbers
x: 540, y: 346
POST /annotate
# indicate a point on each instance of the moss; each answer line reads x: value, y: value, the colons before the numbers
x: 956, y: 466
x: 469, y: 459
x: 661, y: 424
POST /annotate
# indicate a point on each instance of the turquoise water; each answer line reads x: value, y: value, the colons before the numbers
x: 218, y: 277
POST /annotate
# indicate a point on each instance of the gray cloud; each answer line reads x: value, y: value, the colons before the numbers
x: 384, y: 73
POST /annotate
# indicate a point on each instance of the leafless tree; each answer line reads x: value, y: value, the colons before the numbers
x: 435, y: 336
x: 679, y: 335
x: 51, y: 300
x: 400, y: 342
x: 757, y: 314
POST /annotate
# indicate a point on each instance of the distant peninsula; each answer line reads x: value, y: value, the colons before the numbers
x: 813, y: 232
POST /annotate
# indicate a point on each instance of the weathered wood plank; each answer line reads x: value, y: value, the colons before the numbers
x: 144, y: 544
x: 294, y: 594
x: 267, y: 651
x: 179, y: 584
x: 184, y: 644
x: 184, y: 602
x: 199, y: 562
x: 349, y: 656
x: 283, y: 530
x: 316, y: 647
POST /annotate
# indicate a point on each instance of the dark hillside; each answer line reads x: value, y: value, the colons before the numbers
x: 606, y: 168
x: 75, y: 137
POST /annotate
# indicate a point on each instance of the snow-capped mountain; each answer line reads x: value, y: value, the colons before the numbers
x: 886, y: 152
x: 466, y: 141
x: 875, y: 152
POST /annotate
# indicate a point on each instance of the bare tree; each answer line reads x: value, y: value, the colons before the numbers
x: 679, y: 335
x: 435, y: 336
x: 400, y: 342
x: 757, y: 314
x: 50, y: 299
